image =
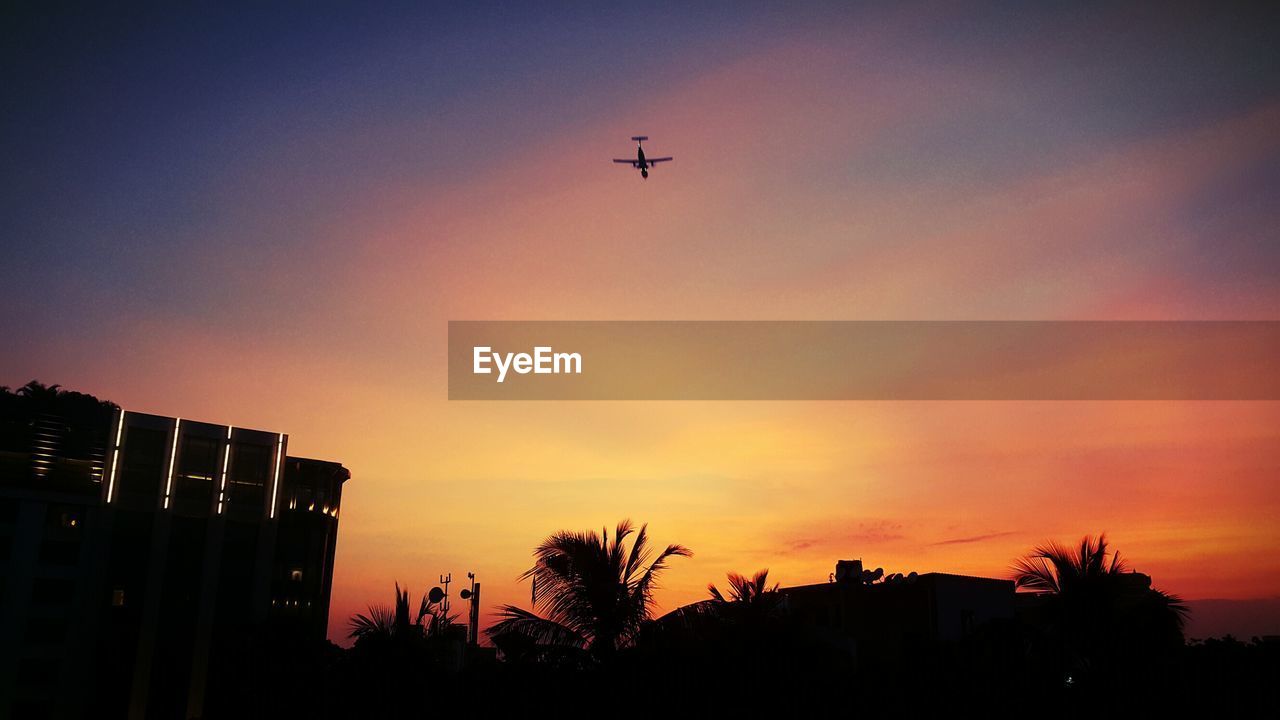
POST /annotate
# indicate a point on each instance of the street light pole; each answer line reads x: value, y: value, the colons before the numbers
x: 473, y: 612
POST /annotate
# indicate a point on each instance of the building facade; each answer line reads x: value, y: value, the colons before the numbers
x: 890, y: 619
x: 143, y: 555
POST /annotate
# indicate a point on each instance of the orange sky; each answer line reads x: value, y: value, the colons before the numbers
x: 818, y: 176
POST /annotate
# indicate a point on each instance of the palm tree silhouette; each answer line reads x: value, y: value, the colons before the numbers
x: 1055, y: 568
x: 751, y: 602
x: 1096, y: 611
x: 594, y: 594
x: 40, y: 393
x: 383, y: 622
x: 1084, y: 574
x: 743, y: 589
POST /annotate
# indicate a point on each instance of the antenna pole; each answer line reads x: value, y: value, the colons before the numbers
x: 473, y: 616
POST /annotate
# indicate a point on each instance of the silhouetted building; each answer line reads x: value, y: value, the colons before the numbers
x: 891, y: 618
x: 142, y: 554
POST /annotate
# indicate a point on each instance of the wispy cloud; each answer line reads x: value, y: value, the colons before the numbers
x: 974, y: 538
x: 845, y: 536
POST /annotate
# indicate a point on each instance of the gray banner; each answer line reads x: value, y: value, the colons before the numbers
x: 864, y: 360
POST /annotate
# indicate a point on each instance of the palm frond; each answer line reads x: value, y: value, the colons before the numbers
x: 715, y: 593
x: 379, y: 621
x: 1034, y: 573
x: 648, y: 582
x: 1176, y: 606
x: 639, y: 554
x: 1054, y: 568
x: 540, y: 630
x: 595, y: 588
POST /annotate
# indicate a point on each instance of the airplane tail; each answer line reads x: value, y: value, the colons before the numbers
x: 640, y: 137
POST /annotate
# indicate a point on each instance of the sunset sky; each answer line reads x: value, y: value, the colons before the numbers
x: 267, y: 218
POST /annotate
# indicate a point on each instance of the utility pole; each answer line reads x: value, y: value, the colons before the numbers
x: 473, y: 612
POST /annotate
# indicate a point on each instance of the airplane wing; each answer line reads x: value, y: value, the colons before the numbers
x: 627, y: 162
x: 658, y: 160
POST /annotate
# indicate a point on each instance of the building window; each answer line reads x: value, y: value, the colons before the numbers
x: 197, y: 466
x: 144, y: 456
x: 296, y: 574
x: 249, y: 474
x: 117, y: 597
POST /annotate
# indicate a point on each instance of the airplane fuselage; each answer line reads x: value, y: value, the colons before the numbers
x: 641, y: 162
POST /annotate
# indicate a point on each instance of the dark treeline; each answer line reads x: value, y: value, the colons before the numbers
x: 1094, y: 641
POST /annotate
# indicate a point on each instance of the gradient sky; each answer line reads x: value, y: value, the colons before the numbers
x: 267, y: 217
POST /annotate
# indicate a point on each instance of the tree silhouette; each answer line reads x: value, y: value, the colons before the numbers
x: 593, y: 594
x: 1054, y: 568
x: 743, y: 589
x: 75, y: 422
x: 1097, y: 615
x: 39, y: 392
x: 750, y: 600
x: 400, y: 655
x: 383, y: 622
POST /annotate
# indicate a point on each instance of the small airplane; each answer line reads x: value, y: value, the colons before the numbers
x: 642, y: 163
